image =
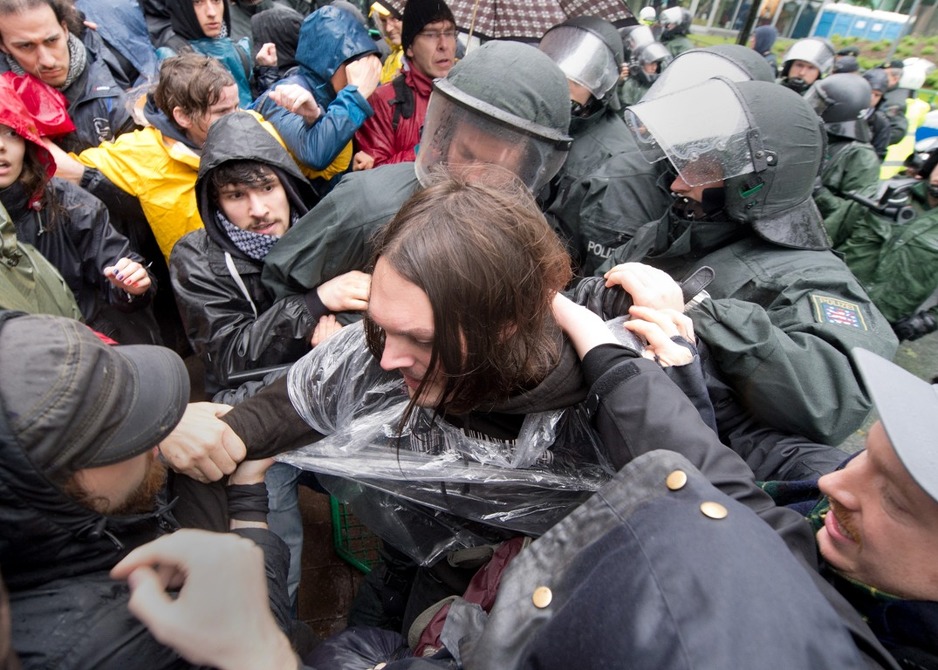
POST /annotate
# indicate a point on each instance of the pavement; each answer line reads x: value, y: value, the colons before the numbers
x: 921, y: 359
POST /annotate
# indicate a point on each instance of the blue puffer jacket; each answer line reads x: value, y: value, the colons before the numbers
x: 328, y: 38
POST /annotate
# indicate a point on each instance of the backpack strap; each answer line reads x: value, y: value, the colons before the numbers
x: 403, y: 103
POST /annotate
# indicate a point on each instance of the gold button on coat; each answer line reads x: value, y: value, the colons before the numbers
x: 541, y: 597
x: 714, y: 510
x: 676, y: 480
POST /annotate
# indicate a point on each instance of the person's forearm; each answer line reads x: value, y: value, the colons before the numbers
x: 268, y: 424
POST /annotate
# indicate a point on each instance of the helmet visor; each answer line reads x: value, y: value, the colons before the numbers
x: 691, y: 68
x: 817, y: 97
x: 711, y: 145
x: 461, y: 132
x: 583, y: 57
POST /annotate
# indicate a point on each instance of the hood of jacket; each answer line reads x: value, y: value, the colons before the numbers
x: 240, y: 136
x: 564, y: 386
x: 186, y: 24
x: 280, y: 25
x: 156, y: 118
x: 329, y: 37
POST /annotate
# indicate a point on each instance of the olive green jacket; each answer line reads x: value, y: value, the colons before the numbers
x: 780, y: 322
x: 896, y: 263
x: 28, y: 282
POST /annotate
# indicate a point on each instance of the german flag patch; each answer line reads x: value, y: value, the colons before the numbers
x: 837, y: 312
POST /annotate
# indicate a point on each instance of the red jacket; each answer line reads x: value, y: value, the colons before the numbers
x: 378, y: 137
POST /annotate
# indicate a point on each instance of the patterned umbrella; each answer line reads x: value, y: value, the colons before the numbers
x: 528, y: 20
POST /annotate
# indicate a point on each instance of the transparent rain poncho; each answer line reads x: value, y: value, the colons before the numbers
x: 434, y: 488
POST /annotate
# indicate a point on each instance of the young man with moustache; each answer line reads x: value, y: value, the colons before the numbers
x: 429, y: 41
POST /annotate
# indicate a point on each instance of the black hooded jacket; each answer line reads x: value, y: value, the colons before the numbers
x: 231, y: 319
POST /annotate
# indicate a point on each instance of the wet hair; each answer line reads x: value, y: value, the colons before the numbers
x: 192, y: 82
x: 63, y: 10
x: 34, y: 179
x: 247, y: 172
x: 481, y: 250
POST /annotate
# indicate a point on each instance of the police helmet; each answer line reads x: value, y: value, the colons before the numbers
x: 814, y: 50
x: 676, y: 21
x: 589, y: 51
x: 518, y: 119
x: 763, y: 141
x: 841, y: 100
x: 732, y: 61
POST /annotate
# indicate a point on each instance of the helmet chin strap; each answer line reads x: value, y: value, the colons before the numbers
x: 797, y: 84
x: 581, y: 111
x: 712, y: 202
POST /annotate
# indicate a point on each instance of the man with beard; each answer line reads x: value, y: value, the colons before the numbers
x: 81, y: 485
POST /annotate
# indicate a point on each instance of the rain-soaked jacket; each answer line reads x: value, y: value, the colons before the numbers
x: 599, y: 142
x: 28, y: 282
x: 780, y: 324
x: 389, y: 136
x: 328, y: 38
x: 75, y: 234
x: 233, y: 323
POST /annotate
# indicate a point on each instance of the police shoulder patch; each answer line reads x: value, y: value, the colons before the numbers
x: 837, y: 312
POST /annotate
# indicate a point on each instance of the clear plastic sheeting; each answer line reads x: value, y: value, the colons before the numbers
x: 433, y: 487
x: 711, y: 146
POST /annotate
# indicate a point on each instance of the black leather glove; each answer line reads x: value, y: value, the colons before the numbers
x: 915, y: 326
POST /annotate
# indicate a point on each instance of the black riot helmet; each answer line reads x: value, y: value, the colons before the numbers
x: 732, y: 61
x: 518, y: 119
x: 589, y: 51
x: 763, y: 141
x: 841, y: 100
x: 877, y: 79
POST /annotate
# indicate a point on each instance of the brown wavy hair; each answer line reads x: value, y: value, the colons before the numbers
x: 192, y: 82
x: 481, y: 250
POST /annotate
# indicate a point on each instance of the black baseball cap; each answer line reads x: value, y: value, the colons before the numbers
x: 71, y: 402
x: 908, y: 408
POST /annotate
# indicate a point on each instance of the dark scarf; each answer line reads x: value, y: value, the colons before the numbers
x: 253, y: 245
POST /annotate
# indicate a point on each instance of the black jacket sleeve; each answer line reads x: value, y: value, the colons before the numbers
x: 267, y: 423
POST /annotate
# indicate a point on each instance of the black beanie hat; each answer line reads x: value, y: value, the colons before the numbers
x: 417, y: 14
